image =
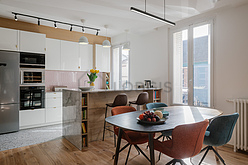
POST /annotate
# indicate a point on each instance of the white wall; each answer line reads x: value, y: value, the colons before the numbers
x: 230, y: 57
x: 148, y: 56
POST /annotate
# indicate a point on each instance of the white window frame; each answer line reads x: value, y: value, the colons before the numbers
x: 190, y: 27
x: 120, y: 66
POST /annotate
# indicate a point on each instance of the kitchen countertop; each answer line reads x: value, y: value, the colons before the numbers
x: 112, y: 90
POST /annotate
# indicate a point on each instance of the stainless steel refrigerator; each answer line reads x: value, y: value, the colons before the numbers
x: 9, y: 91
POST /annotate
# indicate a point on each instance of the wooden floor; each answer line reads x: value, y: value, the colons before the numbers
x: 100, y: 153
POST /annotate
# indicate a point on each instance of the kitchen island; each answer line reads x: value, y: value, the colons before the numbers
x: 84, y: 111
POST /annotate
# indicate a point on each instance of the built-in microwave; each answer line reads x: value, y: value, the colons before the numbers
x: 32, y: 77
x: 32, y: 60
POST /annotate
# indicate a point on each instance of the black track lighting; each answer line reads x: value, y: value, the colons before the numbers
x: 55, y: 22
x: 16, y: 17
x: 55, y: 25
x: 97, y: 32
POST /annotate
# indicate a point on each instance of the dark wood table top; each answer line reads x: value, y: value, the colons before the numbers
x: 178, y: 115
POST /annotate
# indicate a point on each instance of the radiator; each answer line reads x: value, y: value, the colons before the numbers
x: 241, y: 128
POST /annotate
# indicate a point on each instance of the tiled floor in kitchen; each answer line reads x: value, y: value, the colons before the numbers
x: 30, y: 136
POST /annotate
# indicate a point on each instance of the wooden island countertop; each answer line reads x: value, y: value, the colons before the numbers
x: 87, y: 109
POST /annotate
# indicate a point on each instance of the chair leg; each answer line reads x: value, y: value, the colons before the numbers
x: 104, y: 123
x: 218, y: 155
x: 170, y: 162
x: 137, y: 150
x: 114, y: 140
x: 204, y: 149
x: 208, y: 148
x: 142, y: 153
x: 122, y: 149
x: 160, y: 152
x: 128, y: 154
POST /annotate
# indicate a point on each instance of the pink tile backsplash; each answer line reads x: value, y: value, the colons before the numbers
x: 71, y: 79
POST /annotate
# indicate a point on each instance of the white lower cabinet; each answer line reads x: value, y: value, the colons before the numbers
x: 32, y: 118
x: 53, y: 107
x: 50, y: 115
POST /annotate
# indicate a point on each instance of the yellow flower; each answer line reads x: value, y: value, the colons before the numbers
x: 97, y: 71
x: 92, y: 71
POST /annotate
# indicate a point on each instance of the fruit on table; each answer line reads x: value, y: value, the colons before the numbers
x: 149, y: 116
x: 159, y: 114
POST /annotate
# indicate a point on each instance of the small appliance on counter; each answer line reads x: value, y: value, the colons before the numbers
x: 9, y: 91
x: 59, y: 88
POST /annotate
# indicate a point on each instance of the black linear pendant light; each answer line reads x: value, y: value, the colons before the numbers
x: 133, y: 9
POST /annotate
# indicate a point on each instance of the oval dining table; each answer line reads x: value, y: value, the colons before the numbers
x: 178, y: 115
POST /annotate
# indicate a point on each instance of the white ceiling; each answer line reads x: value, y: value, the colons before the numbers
x: 114, y: 13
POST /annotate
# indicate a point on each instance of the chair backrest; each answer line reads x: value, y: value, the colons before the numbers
x: 155, y: 105
x: 120, y: 100
x: 187, y: 139
x: 122, y: 109
x: 221, y: 129
x: 142, y: 98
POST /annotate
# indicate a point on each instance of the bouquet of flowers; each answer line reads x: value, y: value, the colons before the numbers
x: 92, y: 76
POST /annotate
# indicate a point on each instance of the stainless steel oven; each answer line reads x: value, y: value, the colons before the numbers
x: 32, y: 77
x: 32, y: 97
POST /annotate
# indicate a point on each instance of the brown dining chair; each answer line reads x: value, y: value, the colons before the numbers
x: 141, y: 100
x: 186, y: 142
x: 133, y: 138
x: 120, y: 100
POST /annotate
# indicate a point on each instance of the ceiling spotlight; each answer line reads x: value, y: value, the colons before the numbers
x: 16, y: 17
x: 71, y: 28
x: 39, y: 22
x: 97, y: 32
x: 55, y: 25
x: 83, y: 29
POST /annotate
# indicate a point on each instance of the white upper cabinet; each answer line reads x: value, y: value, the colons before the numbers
x: 53, y: 59
x: 69, y: 56
x: 102, y: 58
x: 8, y: 39
x: 86, y: 57
x: 32, y: 42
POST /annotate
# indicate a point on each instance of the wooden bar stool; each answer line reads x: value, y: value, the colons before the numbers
x: 120, y: 100
x: 141, y: 100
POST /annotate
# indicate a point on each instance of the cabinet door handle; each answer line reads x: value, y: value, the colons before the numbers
x: 54, y: 107
x: 54, y: 97
x: 79, y: 67
x: 16, y: 46
x: 45, y: 49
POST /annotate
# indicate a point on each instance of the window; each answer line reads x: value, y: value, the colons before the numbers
x: 192, y: 65
x: 120, y: 67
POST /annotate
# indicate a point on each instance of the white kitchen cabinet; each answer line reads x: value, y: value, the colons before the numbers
x: 86, y: 57
x: 53, y: 59
x: 8, y: 39
x: 102, y: 58
x: 32, y: 42
x: 53, y: 107
x: 31, y: 118
x: 69, y: 56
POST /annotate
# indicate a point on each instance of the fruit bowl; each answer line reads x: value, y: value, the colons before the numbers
x: 150, y: 117
x: 161, y: 121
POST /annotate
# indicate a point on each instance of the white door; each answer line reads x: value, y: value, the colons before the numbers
x: 86, y: 57
x: 53, y: 59
x: 69, y: 56
x: 8, y: 39
x: 102, y: 58
x: 32, y: 42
